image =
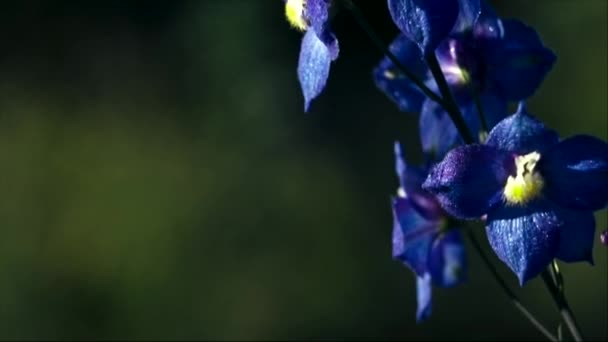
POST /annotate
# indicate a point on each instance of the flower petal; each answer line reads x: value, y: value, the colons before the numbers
x: 488, y: 25
x: 317, y: 12
x: 437, y: 131
x: 411, y: 178
x: 412, y: 235
x: 313, y: 66
x: 425, y: 22
x: 604, y: 237
x: 519, y: 62
x: 521, y: 133
x: 576, y: 173
x: 424, y: 292
x: 396, y: 85
x: 526, y: 238
x: 494, y: 110
x: 447, y: 260
x: 470, y: 179
x: 576, y: 237
x: 467, y: 15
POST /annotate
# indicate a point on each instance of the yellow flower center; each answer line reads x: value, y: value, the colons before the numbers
x: 527, y: 184
x: 294, y: 11
x: 456, y: 74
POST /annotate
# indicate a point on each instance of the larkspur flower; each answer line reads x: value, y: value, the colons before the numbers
x: 538, y: 193
x: 319, y: 45
x: 424, y: 237
x: 424, y: 22
x: 497, y: 60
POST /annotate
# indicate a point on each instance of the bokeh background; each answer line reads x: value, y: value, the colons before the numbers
x: 159, y: 179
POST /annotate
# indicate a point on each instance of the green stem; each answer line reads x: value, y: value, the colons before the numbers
x: 562, y: 305
x: 356, y: 12
x: 559, y: 279
x: 450, y: 104
x: 510, y: 294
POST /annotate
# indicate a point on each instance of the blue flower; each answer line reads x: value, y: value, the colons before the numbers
x: 424, y: 22
x: 319, y: 45
x: 424, y: 238
x: 497, y: 60
x: 538, y: 193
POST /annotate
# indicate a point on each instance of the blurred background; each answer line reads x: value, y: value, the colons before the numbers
x: 160, y: 180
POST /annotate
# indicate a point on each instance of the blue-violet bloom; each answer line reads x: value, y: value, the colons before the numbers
x: 319, y: 44
x: 538, y: 192
x: 424, y: 22
x: 424, y: 237
x: 484, y: 57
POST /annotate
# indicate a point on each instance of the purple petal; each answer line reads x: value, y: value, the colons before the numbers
x: 411, y: 179
x: 424, y: 291
x: 412, y: 235
x: 425, y: 22
x: 317, y: 12
x: 470, y: 179
x: 526, y: 238
x: 447, y: 261
x: 467, y: 15
x: 521, y: 133
x: 576, y: 173
x: 396, y: 85
x: 437, y: 131
x: 494, y: 110
x: 519, y: 62
x: 576, y: 237
x: 604, y: 237
x: 313, y: 66
x: 488, y: 25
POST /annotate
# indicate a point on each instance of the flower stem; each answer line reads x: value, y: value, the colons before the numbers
x: 512, y: 296
x: 450, y: 104
x: 356, y: 13
x: 446, y: 101
x: 559, y: 279
x: 479, y: 107
x: 562, y: 304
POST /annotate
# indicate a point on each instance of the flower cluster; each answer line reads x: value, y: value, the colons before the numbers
x: 535, y: 194
x: 425, y: 238
x: 483, y: 58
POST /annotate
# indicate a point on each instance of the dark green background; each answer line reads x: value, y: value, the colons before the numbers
x: 159, y: 179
